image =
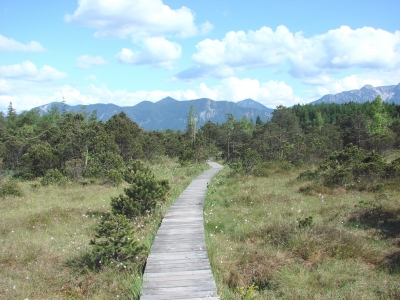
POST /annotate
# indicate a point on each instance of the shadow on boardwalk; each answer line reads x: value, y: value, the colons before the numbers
x: 178, y: 265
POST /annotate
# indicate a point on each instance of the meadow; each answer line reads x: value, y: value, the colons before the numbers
x: 267, y: 240
x: 45, y: 235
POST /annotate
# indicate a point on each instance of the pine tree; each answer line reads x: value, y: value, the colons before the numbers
x: 115, y: 242
x: 191, y: 126
x: 142, y: 195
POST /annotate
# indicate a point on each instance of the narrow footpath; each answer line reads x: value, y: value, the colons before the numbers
x: 178, y: 265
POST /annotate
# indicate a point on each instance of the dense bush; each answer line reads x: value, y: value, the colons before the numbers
x: 38, y: 160
x: 115, y: 177
x: 9, y: 188
x: 142, y: 195
x: 352, y: 167
x: 101, y: 164
x: 115, y: 243
x: 53, y: 176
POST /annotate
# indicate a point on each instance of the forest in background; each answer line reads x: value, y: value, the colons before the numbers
x: 78, y: 146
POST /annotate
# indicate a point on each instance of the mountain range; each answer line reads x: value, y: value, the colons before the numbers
x: 367, y: 93
x: 169, y: 113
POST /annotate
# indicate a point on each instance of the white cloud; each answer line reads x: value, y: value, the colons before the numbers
x: 206, y: 27
x: 156, y: 51
x: 87, y: 61
x: 341, y: 48
x: 345, y: 48
x: 28, y: 94
x: 125, y: 18
x: 9, y: 44
x: 271, y: 93
x: 28, y: 71
x: 4, y: 87
x: 326, y: 84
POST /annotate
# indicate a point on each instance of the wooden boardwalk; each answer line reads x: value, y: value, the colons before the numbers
x: 178, y: 265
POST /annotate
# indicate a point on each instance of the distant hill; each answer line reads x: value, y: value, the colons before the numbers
x: 367, y: 93
x: 250, y: 103
x: 169, y: 113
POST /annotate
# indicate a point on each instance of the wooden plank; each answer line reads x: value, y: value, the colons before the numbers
x: 178, y: 265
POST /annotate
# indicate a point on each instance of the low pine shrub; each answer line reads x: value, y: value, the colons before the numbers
x: 115, y: 243
x: 53, y: 176
x: 142, y: 196
x: 115, y: 177
x: 353, y: 168
x: 10, y: 188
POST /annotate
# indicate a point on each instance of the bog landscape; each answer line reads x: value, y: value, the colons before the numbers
x: 307, y: 206
x: 192, y: 150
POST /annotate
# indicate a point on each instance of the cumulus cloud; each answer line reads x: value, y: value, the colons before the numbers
x: 28, y: 94
x: 271, y: 93
x: 125, y: 18
x: 337, y: 49
x: 344, y: 48
x: 156, y: 51
x: 326, y: 84
x: 9, y: 44
x: 28, y: 71
x: 87, y: 61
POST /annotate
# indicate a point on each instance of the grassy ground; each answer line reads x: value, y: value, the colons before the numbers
x: 45, y: 233
x: 268, y: 241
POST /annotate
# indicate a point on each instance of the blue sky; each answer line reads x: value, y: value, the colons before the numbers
x: 125, y: 51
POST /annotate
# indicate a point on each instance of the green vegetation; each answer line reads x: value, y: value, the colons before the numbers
x: 143, y: 194
x: 45, y: 235
x: 333, y: 242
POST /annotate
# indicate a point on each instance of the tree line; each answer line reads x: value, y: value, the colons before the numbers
x: 77, y: 145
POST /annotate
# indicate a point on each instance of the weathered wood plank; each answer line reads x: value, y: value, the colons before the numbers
x: 178, y: 265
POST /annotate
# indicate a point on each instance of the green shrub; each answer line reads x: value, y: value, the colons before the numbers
x: 354, y: 168
x: 306, y: 222
x: 337, y: 177
x: 115, y: 177
x: 75, y: 169
x: 115, y: 243
x: 10, y: 188
x: 308, y: 175
x: 286, y: 166
x: 247, y: 293
x: 101, y: 164
x: 249, y: 160
x: 38, y: 159
x: 53, y: 176
x: 133, y: 168
x: 393, y: 169
x: 263, y: 169
x: 236, y: 167
x: 142, y: 195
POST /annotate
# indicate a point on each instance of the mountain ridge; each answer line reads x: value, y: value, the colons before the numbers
x: 367, y: 93
x: 169, y: 113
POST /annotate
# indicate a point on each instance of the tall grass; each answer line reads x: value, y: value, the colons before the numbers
x: 329, y: 244
x: 45, y: 234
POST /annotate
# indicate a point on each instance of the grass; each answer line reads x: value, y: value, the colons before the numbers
x: 45, y: 234
x: 327, y: 244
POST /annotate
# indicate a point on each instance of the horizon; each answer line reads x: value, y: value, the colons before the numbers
x: 123, y: 53
x: 273, y: 108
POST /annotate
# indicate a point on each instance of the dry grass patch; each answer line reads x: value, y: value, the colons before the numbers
x: 328, y: 244
x: 45, y: 234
